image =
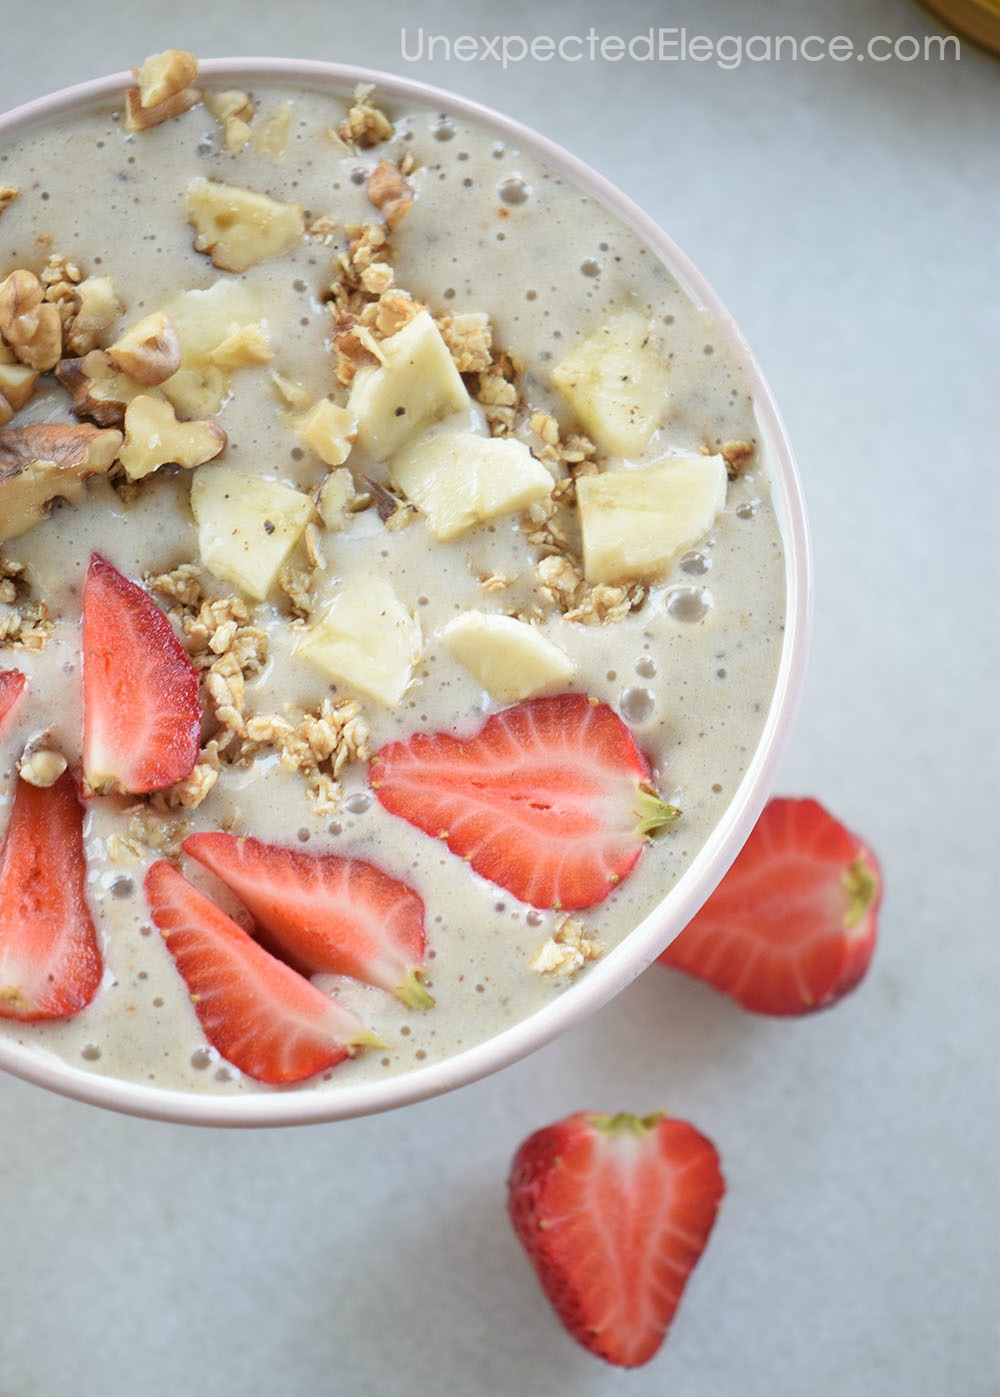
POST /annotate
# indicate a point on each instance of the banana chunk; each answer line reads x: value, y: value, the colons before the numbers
x: 209, y: 324
x: 635, y: 522
x: 616, y: 380
x: 510, y: 659
x: 247, y: 527
x: 458, y: 479
x: 366, y: 639
x: 415, y: 386
x: 241, y: 227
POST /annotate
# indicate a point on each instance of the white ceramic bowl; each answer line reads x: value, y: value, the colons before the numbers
x: 607, y: 977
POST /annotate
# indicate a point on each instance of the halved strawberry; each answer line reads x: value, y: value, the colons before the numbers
x: 261, y: 1015
x: 50, y: 961
x: 141, y: 709
x: 551, y: 798
x: 324, y: 913
x: 614, y: 1212
x: 792, y: 926
x: 12, y: 686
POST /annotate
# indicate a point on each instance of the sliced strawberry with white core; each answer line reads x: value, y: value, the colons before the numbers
x: 50, y: 960
x: 551, y: 799
x: 792, y: 926
x: 261, y: 1015
x: 614, y: 1212
x: 141, y: 707
x: 12, y: 686
x: 324, y: 913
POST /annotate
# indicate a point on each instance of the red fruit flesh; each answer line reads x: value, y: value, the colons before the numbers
x: 324, y: 913
x: 50, y: 961
x: 261, y: 1015
x: 614, y: 1212
x: 141, y: 707
x: 550, y: 799
x: 792, y: 926
x: 12, y: 686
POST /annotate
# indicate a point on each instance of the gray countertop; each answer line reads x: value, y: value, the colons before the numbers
x: 847, y: 213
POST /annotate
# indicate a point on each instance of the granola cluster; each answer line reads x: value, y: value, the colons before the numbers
x: 227, y: 649
x: 25, y: 622
x: 569, y: 948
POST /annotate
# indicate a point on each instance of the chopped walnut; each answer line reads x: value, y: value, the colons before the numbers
x: 60, y: 278
x: 365, y: 124
x: 8, y: 193
x: 149, y: 351
x: 40, y: 766
x: 30, y: 325
x: 737, y: 456
x: 469, y: 337
x: 569, y: 948
x: 99, y: 393
x: 164, y: 89
x: 44, y: 462
x: 390, y: 193
x: 233, y: 110
x: 164, y: 75
x: 154, y: 437
x: 97, y: 309
x: 293, y: 394
x: 139, y: 118
x: 17, y: 385
x: 244, y: 346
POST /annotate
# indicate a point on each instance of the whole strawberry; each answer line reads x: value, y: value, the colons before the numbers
x: 614, y: 1212
x: 792, y: 926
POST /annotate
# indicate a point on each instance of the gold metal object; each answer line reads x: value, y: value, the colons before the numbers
x: 977, y: 19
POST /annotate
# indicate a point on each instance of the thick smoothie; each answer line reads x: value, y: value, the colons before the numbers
x: 405, y: 218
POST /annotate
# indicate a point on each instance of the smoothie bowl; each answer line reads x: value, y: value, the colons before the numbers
x: 403, y: 591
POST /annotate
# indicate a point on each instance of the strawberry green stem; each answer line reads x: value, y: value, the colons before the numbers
x: 862, y: 889
x: 413, y: 994
x: 655, y: 814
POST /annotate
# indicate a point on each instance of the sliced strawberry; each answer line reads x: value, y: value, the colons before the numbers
x: 551, y: 798
x: 261, y: 1015
x: 792, y: 926
x: 50, y: 962
x: 141, y: 709
x: 614, y: 1212
x: 12, y: 685
x: 324, y: 913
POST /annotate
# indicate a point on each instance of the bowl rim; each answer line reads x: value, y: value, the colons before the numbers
x: 302, y: 1104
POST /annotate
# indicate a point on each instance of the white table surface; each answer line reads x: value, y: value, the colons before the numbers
x: 849, y: 216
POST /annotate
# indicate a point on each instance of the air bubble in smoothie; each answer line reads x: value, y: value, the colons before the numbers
x: 688, y: 604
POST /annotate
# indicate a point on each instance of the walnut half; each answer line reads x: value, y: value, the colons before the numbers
x: 45, y: 462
